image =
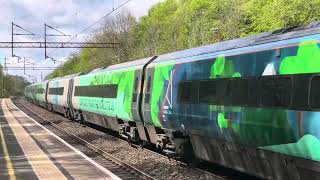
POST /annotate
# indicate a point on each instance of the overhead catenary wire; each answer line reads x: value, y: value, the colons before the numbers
x: 30, y: 68
x: 81, y: 32
x: 93, y: 24
x: 31, y: 44
x: 61, y: 33
x: 20, y: 34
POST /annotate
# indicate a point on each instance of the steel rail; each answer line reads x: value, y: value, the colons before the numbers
x: 137, y: 172
x: 162, y: 155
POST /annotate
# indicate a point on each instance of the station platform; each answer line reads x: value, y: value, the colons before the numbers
x: 30, y: 151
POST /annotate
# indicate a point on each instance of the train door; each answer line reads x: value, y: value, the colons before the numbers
x: 69, y: 98
x: 46, y: 92
x: 135, y: 95
x: 146, y: 100
x: 140, y: 77
x: 146, y: 105
x: 136, y: 104
x: 69, y: 94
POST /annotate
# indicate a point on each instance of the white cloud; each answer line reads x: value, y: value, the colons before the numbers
x: 44, y: 8
x: 69, y: 16
x: 6, y: 11
x: 140, y: 7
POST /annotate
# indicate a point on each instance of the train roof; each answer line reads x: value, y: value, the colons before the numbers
x: 136, y: 63
x: 96, y: 70
x: 37, y: 83
x: 130, y: 64
x: 66, y: 77
x: 221, y: 47
x: 267, y: 37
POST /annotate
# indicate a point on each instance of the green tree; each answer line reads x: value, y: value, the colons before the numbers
x: 173, y: 25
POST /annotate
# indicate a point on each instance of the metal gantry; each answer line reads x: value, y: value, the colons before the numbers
x: 55, y: 45
x: 17, y: 30
x: 45, y: 44
x: 39, y: 44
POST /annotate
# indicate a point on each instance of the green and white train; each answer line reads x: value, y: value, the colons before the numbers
x: 252, y: 104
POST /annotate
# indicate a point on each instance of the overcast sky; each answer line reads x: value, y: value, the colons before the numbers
x: 69, y: 16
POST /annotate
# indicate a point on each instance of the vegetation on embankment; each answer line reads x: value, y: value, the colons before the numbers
x: 11, y: 85
x: 180, y: 24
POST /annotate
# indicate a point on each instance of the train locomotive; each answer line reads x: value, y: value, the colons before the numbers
x: 251, y: 104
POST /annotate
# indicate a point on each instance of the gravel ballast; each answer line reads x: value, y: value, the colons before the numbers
x: 156, y: 165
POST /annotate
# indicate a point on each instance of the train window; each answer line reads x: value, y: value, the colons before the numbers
x: 270, y: 91
x: 134, y: 97
x: 136, y: 82
x: 238, y: 91
x: 39, y: 90
x: 232, y: 91
x: 223, y: 91
x: 314, y: 97
x: 56, y: 91
x: 276, y: 91
x: 185, y: 92
x: 149, y: 84
x: 252, y: 98
x: 102, y: 91
x: 147, y: 98
x: 208, y: 91
x: 301, y: 88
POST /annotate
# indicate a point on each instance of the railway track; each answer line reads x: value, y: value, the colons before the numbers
x: 160, y: 154
x: 113, y: 164
x: 212, y: 170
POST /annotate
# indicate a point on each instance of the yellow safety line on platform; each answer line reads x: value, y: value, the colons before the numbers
x: 43, y: 167
x: 79, y: 163
x: 10, y: 169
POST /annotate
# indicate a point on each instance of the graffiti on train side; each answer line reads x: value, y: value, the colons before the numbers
x: 120, y: 106
x: 274, y: 129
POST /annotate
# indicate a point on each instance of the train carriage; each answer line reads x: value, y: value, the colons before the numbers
x: 28, y: 92
x: 110, y: 97
x: 58, y: 94
x: 37, y: 93
x: 251, y: 104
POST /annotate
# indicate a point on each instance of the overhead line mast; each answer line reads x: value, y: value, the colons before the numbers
x: 29, y: 33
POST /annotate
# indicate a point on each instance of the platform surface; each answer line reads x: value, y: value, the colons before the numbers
x: 30, y: 151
